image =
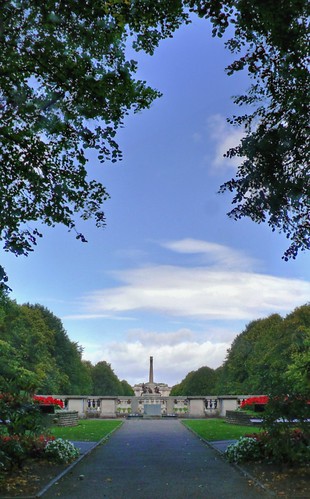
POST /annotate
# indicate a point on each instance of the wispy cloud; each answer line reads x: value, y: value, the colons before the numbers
x: 82, y: 317
x: 220, y: 289
x: 225, y: 287
x: 224, y: 137
x: 199, y: 292
x: 214, y: 253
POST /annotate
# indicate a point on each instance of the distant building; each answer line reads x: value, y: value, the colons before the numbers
x: 150, y: 387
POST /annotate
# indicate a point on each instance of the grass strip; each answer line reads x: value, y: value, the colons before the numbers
x: 213, y: 430
x: 87, y: 430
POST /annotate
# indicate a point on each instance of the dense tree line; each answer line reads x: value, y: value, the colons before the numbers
x: 39, y: 344
x: 34, y: 344
x: 273, y: 350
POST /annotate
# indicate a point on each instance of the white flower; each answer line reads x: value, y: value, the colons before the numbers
x: 61, y: 450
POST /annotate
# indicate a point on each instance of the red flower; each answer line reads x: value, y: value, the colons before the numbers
x: 48, y: 401
x: 263, y: 399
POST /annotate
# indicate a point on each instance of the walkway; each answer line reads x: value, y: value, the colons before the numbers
x: 154, y: 459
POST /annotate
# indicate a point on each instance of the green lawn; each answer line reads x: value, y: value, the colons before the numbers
x: 218, y: 429
x: 87, y: 430
x: 92, y: 430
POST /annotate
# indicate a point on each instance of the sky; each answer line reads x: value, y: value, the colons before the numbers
x: 170, y: 275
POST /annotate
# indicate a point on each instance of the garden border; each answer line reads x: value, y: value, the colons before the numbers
x: 235, y: 465
x: 72, y: 465
x: 69, y: 468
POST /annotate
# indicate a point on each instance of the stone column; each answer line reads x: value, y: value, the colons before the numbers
x: 151, y: 376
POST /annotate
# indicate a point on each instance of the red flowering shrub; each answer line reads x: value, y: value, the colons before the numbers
x: 35, y: 446
x: 16, y: 448
x: 48, y: 401
x: 251, y: 401
x: 19, y: 414
x: 12, y: 451
x: 291, y: 447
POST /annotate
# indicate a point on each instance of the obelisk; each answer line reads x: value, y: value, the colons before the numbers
x: 151, y: 377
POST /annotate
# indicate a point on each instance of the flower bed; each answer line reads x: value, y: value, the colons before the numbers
x: 58, y: 403
x: 255, y: 403
x: 294, y: 445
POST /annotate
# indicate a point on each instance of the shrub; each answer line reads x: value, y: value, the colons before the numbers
x: 19, y: 414
x: 35, y: 446
x: 286, y: 444
x: 252, y: 401
x: 12, y: 451
x: 291, y: 447
x: 245, y: 449
x: 40, y: 399
x: 61, y: 451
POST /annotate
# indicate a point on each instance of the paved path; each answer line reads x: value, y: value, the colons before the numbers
x: 154, y: 459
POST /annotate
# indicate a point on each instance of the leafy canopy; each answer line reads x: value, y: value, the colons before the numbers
x: 272, y: 181
x: 267, y: 351
x: 36, y: 355
x: 66, y: 84
x: 200, y: 382
x: 271, y: 356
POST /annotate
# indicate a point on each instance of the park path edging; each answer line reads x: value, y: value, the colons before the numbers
x: 235, y: 465
x: 72, y: 465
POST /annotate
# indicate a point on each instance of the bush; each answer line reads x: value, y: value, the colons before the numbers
x: 288, y: 447
x: 252, y: 403
x: 35, y: 445
x: 291, y: 447
x: 246, y: 449
x: 12, y: 451
x: 286, y: 444
x: 15, y: 449
x: 61, y: 451
x: 19, y: 414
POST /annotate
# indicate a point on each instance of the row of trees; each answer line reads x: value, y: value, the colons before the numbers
x: 270, y: 351
x: 33, y: 340
x: 34, y: 344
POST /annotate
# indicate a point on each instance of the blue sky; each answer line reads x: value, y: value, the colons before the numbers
x: 171, y: 275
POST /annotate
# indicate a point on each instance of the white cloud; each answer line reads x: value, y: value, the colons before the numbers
x: 83, y: 317
x: 216, y: 293
x: 224, y: 288
x: 198, y: 292
x: 159, y: 339
x: 224, y: 137
x: 172, y: 359
x: 214, y: 253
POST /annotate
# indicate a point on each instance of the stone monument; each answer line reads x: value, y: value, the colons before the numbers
x: 150, y: 387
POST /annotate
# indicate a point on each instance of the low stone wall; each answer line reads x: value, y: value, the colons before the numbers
x: 237, y: 417
x: 67, y: 418
x: 179, y: 406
